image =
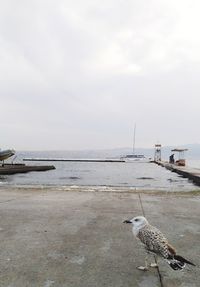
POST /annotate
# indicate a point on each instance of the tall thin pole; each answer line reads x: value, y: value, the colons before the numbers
x: 134, y: 139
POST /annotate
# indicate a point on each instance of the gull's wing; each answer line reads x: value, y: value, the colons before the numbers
x: 155, y: 241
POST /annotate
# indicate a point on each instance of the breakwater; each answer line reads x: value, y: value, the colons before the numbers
x: 73, y: 160
x: 22, y: 168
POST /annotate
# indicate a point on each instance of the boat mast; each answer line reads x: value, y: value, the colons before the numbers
x: 134, y: 139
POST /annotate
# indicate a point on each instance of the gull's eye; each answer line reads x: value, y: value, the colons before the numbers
x: 136, y: 219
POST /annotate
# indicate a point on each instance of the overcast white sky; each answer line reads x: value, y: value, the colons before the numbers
x: 78, y: 74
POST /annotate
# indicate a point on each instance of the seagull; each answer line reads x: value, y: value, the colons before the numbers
x: 156, y: 242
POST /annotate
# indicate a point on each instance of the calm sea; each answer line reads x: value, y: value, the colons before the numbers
x: 135, y: 175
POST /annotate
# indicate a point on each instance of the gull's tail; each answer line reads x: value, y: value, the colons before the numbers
x: 177, y: 262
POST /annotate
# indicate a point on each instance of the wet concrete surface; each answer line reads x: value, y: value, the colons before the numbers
x: 65, y: 238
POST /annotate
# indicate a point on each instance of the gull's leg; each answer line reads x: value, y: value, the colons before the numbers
x: 144, y: 268
x: 154, y: 264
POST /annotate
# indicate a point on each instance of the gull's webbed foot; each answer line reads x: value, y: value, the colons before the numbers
x: 143, y: 268
x: 154, y: 265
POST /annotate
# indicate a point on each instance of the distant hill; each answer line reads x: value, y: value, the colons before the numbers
x: 192, y: 153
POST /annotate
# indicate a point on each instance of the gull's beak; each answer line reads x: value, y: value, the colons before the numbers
x: 127, y: 221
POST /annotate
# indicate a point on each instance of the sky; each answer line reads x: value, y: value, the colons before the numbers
x: 80, y: 74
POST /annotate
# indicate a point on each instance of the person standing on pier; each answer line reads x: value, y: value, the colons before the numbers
x: 171, y: 158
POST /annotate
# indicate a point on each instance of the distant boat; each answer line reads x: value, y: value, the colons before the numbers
x: 4, y: 154
x: 134, y: 157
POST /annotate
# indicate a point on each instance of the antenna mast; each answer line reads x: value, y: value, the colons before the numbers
x: 134, y: 139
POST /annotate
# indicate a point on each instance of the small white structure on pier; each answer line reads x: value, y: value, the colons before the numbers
x: 181, y: 156
x: 157, y: 154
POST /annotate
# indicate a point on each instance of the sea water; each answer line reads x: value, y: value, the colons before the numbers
x: 144, y: 176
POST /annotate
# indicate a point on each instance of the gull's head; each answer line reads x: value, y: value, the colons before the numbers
x: 137, y: 222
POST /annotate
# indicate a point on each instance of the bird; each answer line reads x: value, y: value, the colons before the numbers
x: 155, y: 242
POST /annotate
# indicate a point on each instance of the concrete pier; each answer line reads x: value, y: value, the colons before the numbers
x: 66, y: 238
x: 188, y: 172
